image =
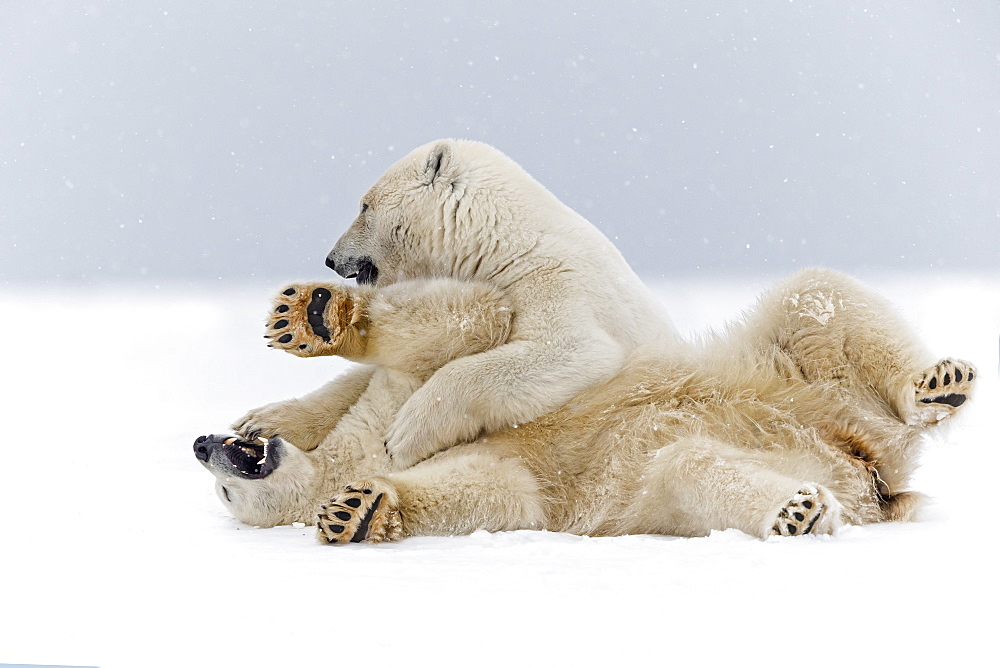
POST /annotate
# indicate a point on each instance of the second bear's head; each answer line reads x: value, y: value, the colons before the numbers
x: 452, y: 208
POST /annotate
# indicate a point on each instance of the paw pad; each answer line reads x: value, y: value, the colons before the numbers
x: 943, y: 389
x: 362, y: 513
x: 800, y: 515
x: 310, y: 320
x: 316, y: 310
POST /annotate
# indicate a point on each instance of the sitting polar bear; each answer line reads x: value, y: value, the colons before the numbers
x: 461, y: 209
x: 807, y: 414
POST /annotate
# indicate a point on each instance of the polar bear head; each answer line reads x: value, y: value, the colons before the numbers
x: 261, y: 484
x: 451, y: 208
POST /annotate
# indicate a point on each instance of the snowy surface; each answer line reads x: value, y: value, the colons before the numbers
x: 117, y: 553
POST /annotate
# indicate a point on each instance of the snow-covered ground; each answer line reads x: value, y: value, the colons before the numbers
x: 115, y: 551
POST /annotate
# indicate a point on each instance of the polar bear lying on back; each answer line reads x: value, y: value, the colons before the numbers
x: 463, y: 210
x: 806, y: 415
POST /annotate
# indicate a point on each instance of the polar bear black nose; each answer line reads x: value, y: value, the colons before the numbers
x: 203, y: 448
x: 330, y: 263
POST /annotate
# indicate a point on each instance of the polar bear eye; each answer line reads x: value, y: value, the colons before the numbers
x: 364, y: 207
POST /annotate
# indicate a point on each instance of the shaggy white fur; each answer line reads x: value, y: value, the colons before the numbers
x: 805, y: 414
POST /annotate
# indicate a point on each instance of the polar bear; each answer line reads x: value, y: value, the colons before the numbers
x: 804, y: 415
x: 461, y: 209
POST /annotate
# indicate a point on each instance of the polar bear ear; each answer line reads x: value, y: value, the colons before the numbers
x: 440, y: 163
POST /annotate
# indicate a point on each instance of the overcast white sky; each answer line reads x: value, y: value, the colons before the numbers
x: 232, y: 140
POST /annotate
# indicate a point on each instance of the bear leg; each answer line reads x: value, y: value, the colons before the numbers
x: 697, y: 485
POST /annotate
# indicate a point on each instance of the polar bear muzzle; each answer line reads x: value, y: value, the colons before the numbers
x: 253, y: 459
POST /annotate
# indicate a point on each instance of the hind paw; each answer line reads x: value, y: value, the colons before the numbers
x: 365, y: 512
x: 811, y: 510
x: 312, y: 319
x: 943, y: 389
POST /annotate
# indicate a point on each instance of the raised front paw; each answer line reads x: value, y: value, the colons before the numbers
x: 943, y: 389
x: 313, y: 319
x: 812, y: 509
x: 366, y: 511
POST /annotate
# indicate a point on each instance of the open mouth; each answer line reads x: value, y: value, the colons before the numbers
x: 367, y: 273
x: 252, y: 459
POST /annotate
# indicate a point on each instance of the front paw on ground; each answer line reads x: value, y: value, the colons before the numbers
x: 364, y: 512
x: 311, y: 319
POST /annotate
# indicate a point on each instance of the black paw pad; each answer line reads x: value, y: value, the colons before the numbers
x: 353, y: 503
x: 314, y: 313
x: 800, y: 515
x: 362, y: 531
x: 284, y: 338
x: 282, y: 309
x: 955, y: 400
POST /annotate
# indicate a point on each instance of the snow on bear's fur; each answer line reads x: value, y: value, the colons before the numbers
x: 805, y: 414
x: 461, y: 209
